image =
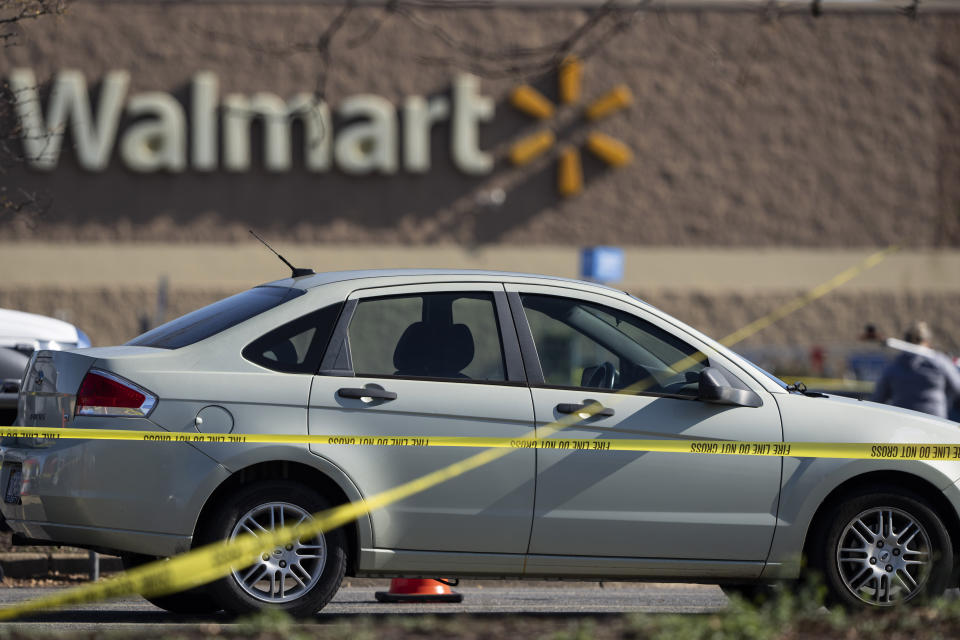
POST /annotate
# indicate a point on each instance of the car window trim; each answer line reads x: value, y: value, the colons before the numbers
x: 516, y: 371
x: 620, y: 392
x: 338, y: 361
x: 384, y: 376
x: 528, y: 348
x: 336, y: 358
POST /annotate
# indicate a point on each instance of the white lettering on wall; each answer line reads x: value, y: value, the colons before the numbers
x: 317, y: 128
x: 370, y: 144
x: 418, y: 116
x: 470, y: 108
x: 238, y: 112
x: 219, y: 130
x: 204, y: 116
x: 69, y: 101
x: 158, y: 143
x: 278, y: 117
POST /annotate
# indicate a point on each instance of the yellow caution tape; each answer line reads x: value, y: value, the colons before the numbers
x: 860, y: 450
x: 814, y: 294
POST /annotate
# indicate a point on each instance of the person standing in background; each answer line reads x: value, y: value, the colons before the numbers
x: 926, y: 383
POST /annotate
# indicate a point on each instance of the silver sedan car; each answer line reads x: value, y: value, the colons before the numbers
x: 431, y: 353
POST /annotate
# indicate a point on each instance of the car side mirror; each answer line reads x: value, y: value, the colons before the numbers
x: 716, y: 389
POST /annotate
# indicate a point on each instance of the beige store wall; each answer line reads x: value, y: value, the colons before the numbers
x: 105, y: 288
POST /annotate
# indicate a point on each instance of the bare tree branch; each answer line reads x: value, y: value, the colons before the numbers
x: 593, y: 35
x: 15, y: 12
x: 324, y: 47
x: 604, y: 23
x: 18, y: 204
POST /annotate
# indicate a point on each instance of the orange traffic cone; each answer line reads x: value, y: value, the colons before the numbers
x: 419, y: 590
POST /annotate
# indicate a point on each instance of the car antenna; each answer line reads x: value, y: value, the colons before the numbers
x: 297, y: 271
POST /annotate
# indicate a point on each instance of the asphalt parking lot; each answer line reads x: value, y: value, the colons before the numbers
x: 553, y: 599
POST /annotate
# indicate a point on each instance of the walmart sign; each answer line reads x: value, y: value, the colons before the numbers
x: 156, y: 138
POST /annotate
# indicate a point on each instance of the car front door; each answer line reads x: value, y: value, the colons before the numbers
x: 676, y: 511
x: 423, y: 361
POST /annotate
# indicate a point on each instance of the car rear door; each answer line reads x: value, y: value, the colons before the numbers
x: 445, y: 360
x: 675, y: 511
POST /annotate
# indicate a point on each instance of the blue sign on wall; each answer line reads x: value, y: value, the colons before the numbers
x: 602, y: 264
x: 868, y: 366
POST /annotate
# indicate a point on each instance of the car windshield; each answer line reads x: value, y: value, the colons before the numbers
x: 780, y: 383
x: 212, y: 319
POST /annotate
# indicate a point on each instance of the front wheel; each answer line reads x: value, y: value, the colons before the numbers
x: 298, y: 578
x: 884, y: 548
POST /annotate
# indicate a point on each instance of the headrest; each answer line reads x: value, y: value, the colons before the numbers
x: 442, y: 350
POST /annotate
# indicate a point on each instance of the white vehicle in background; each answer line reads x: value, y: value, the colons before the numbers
x: 21, y: 334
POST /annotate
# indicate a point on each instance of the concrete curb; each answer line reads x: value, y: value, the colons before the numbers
x: 41, y: 565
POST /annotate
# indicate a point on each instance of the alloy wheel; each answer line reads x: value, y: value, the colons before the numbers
x: 284, y: 573
x: 884, y: 556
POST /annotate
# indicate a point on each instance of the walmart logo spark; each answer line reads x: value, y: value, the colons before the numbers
x: 569, y: 169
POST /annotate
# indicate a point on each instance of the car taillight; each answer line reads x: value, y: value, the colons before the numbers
x: 104, y: 394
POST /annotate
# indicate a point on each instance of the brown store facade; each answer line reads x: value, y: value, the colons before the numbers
x: 411, y: 127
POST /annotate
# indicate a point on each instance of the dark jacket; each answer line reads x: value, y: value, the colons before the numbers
x: 921, y: 383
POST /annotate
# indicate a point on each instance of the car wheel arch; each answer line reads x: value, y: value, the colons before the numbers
x: 309, y: 476
x: 917, y: 485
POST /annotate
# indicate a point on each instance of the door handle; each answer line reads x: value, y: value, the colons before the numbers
x: 566, y: 407
x: 370, y: 392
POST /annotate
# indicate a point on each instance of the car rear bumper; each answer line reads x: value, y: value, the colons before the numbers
x: 111, y: 495
x: 105, y: 540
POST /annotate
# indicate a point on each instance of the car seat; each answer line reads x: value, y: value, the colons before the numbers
x: 434, y: 350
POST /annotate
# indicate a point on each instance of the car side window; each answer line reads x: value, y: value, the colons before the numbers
x: 590, y: 346
x: 297, y: 346
x: 452, y: 336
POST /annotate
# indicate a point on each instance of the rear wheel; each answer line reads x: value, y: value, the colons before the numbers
x: 193, y: 601
x: 298, y: 578
x: 884, y: 548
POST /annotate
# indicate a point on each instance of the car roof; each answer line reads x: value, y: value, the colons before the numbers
x: 328, y: 277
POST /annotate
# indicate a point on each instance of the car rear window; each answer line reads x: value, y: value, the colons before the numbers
x: 212, y: 319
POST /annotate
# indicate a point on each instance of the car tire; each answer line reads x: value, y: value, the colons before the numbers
x: 311, y: 570
x: 881, y: 548
x: 196, y: 601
